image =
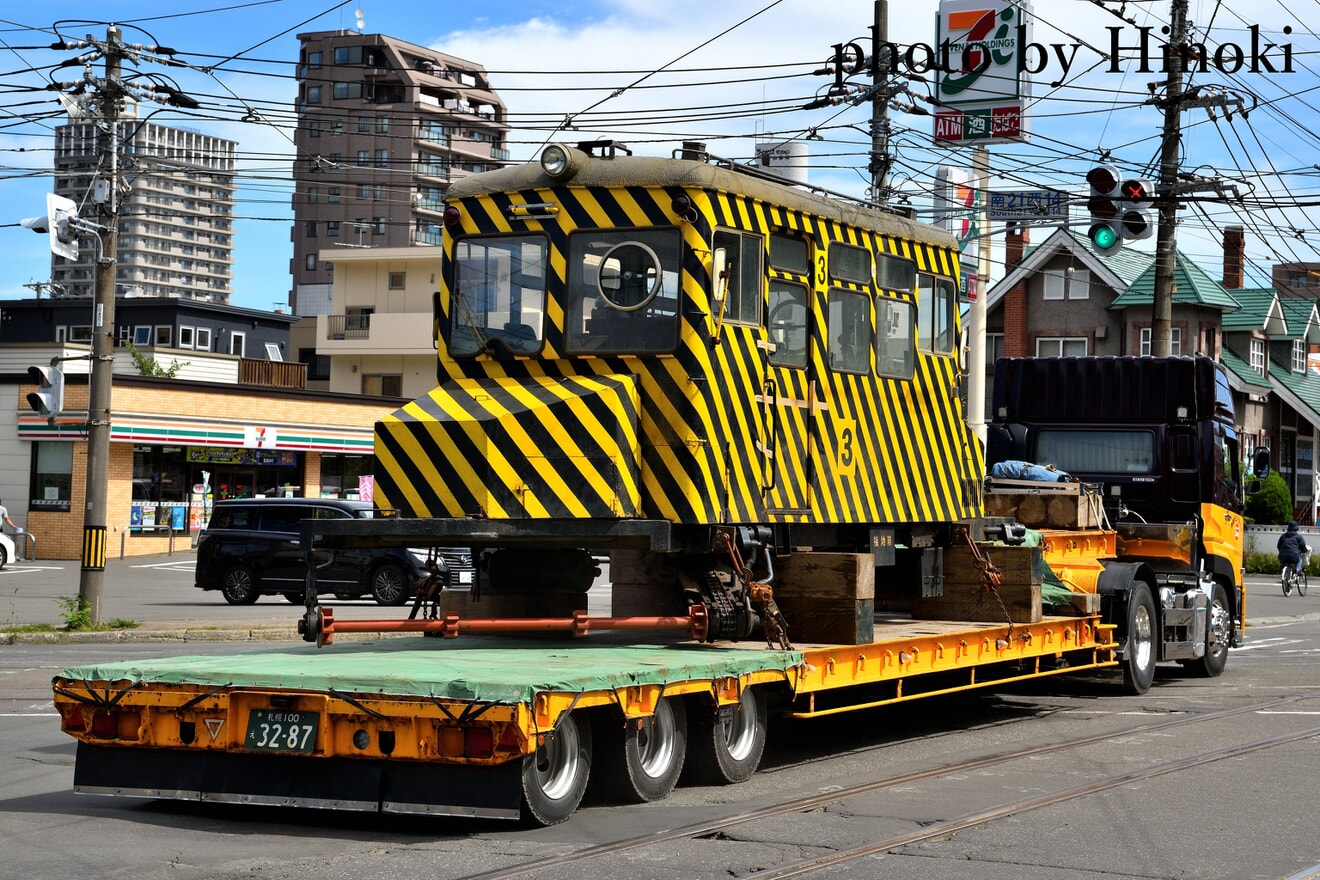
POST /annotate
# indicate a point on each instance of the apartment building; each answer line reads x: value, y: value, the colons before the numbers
x: 384, y: 127
x: 176, y: 210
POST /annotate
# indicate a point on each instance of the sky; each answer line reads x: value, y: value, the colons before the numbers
x: 732, y: 75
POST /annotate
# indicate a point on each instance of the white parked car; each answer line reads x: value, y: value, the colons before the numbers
x: 6, y: 549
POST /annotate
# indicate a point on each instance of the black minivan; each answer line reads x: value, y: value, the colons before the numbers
x: 251, y: 548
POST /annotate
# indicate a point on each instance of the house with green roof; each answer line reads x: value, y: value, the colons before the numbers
x: 1062, y: 298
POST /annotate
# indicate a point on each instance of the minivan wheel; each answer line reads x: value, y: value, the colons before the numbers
x: 389, y: 585
x: 240, y: 586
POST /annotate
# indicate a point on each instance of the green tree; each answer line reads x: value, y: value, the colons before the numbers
x: 149, y: 366
x: 1272, y: 505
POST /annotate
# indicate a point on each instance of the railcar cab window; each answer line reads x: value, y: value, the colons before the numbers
x: 937, y: 302
x: 498, y: 299
x: 895, y: 353
x: 742, y: 264
x: 788, y: 324
x: 623, y: 291
x: 895, y: 273
x: 790, y: 254
x: 849, y: 322
x: 849, y: 263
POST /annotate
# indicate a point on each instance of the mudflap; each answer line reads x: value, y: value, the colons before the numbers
x: 301, y: 781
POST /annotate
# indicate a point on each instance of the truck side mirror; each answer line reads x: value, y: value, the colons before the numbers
x: 1260, y: 462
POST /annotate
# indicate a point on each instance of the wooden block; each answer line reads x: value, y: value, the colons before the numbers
x: 1018, y: 564
x: 644, y: 584
x: 825, y: 575
x: 1085, y: 603
x: 972, y: 602
x: 815, y: 620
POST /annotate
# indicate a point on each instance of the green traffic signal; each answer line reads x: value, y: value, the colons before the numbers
x: 1103, y: 236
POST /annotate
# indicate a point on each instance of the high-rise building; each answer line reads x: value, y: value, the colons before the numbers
x: 383, y: 128
x: 176, y: 210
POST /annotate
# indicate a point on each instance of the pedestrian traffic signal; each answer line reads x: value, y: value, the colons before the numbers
x: 48, y: 399
x: 1105, y: 230
x: 1137, y: 194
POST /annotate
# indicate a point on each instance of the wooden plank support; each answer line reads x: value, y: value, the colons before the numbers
x: 966, y: 597
x: 827, y: 598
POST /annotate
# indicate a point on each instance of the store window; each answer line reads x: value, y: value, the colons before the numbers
x: 342, y: 475
x: 160, y: 490
x: 51, y: 484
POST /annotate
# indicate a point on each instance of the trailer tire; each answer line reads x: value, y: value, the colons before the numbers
x: 1218, y: 635
x: 389, y: 585
x: 641, y: 759
x: 1142, y: 633
x: 555, y: 776
x: 726, y: 751
x: 239, y: 586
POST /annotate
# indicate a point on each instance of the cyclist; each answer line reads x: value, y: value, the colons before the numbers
x: 1292, y: 547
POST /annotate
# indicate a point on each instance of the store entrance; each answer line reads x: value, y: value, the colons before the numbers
x: 232, y: 482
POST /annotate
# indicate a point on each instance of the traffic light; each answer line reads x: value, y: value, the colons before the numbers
x: 60, y: 214
x: 1105, y: 231
x: 48, y: 399
x: 1136, y: 194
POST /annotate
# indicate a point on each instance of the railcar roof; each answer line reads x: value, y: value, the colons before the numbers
x: 622, y: 170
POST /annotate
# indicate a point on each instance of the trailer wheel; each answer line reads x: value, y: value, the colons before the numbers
x: 641, y: 759
x: 728, y: 749
x: 389, y: 585
x: 1218, y: 633
x: 240, y: 586
x: 1140, y: 654
x: 554, y: 777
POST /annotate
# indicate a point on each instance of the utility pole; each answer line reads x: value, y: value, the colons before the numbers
x: 881, y: 66
x: 91, y: 582
x: 1165, y: 239
x: 105, y: 108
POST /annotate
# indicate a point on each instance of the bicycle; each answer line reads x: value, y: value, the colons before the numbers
x: 1292, y: 578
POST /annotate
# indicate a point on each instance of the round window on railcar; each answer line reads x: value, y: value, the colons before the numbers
x: 630, y: 276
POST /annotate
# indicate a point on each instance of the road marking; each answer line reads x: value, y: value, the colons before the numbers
x: 29, y: 569
x: 166, y: 565
x: 1279, y: 712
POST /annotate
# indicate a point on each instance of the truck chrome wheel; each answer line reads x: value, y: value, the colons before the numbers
x: 1140, y: 654
x: 554, y: 777
x: 726, y: 746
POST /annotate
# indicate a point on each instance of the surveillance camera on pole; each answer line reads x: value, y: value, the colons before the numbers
x: 58, y: 223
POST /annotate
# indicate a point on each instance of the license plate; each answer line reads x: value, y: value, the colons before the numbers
x: 281, y: 730
x: 465, y: 577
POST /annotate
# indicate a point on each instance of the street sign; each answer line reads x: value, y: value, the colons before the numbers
x: 1027, y: 204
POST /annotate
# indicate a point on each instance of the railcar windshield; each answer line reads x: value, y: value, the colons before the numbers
x: 623, y: 291
x: 499, y: 294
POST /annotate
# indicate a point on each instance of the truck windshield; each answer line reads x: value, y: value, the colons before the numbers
x: 498, y: 296
x: 1097, y: 452
x: 623, y: 291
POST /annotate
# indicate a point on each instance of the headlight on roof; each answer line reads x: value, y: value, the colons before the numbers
x: 558, y: 161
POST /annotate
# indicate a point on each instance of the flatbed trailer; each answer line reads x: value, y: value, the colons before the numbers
x: 452, y: 726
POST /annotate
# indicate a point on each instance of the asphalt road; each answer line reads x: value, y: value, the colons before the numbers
x: 1248, y: 816
x: 157, y: 593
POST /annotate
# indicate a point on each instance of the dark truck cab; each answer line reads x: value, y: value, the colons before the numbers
x: 1158, y: 439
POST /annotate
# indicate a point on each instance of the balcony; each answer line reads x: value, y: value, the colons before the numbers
x: 348, y: 327
x: 399, y: 333
x: 272, y: 374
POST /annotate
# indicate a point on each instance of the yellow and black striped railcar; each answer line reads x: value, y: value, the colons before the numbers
x: 689, y: 345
